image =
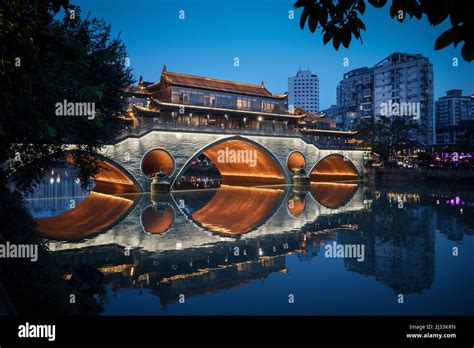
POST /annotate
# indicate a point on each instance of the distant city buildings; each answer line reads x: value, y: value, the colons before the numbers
x: 454, y: 114
x: 399, y: 85
x: 355, y: 97
x: 338, y: 114
x: 303, y: 91
x: 403, y: 86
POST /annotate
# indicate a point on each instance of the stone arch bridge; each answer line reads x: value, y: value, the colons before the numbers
x: 240, y: 159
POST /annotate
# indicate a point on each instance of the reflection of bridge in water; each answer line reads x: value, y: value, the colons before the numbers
x: 196, y: 219
x: 199, y: 241
x: 207, y: 240
x: 183, y: 246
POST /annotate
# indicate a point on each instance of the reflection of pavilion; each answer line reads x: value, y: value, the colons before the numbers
x: 196, y: 271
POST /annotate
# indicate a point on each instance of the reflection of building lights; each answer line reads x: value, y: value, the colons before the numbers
x: 58, y: 179
x: 260, y: 251
x: 51, y: 181
x: 461, y: 211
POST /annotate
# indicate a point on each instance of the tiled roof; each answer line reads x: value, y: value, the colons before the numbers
x: 185, y: 80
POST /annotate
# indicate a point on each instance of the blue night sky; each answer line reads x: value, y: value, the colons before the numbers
x: 269, y: 45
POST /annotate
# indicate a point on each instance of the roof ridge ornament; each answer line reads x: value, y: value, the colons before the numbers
x: 262, y: 84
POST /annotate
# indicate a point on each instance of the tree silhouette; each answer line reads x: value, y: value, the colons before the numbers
x: 339, y: 21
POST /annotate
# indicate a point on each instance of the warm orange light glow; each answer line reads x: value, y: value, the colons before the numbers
x: 112, y: 180
x: 333, y: 168
x: 238, y: 210
x: 156, y: 160
x: 94, y: 214
x: 263, y: 170
x: 157, y: 220
x: 333, y: 195
x: 296, y: 160
x: 296, y: 205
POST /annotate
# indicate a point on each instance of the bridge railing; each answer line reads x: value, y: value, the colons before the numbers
x: 146, y: 128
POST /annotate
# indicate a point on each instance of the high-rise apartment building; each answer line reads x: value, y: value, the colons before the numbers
x: 403, y: 86
x: 355, y: 96
x: 400, y: 85
x: 303, y: 91
x: 451, y: 112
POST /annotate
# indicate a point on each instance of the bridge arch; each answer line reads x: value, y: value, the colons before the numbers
x: 113, y: 173
x: 296, y: 160
x: 155, y: 160
x: 241, y: 162
x: 333, y: 168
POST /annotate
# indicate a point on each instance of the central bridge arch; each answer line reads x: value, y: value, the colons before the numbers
x: 241, y: 162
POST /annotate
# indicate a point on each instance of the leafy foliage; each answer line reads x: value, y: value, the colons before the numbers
x: 387, y: 135
x: 340, y: 20
x: 44, y: 62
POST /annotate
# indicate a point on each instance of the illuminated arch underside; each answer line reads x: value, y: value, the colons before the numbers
x: 333, y: 195
x: 296, y: 160
x: 238, y: 210
x: 112, y: 180
x: 333, y: 168
x: 264, y: 172
x: 98, y: 211
x: 94, y: 214
x: 156, y: 160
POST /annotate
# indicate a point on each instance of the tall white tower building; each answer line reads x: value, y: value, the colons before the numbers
x: 303, y: 91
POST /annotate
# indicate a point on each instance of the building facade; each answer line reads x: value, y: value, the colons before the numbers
x: 354, y: 97
x: 338, y: 114
x: 403, y: 86
x: 303, y: 91
x: 399, y: 85
x: 451, y: 110
x: 194, y: 101
x: 454, y: 108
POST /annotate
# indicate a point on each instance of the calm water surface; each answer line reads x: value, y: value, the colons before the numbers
x: 237, y: 250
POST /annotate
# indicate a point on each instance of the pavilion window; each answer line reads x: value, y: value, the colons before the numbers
x: 245, y: 103
x: 268, y: 106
